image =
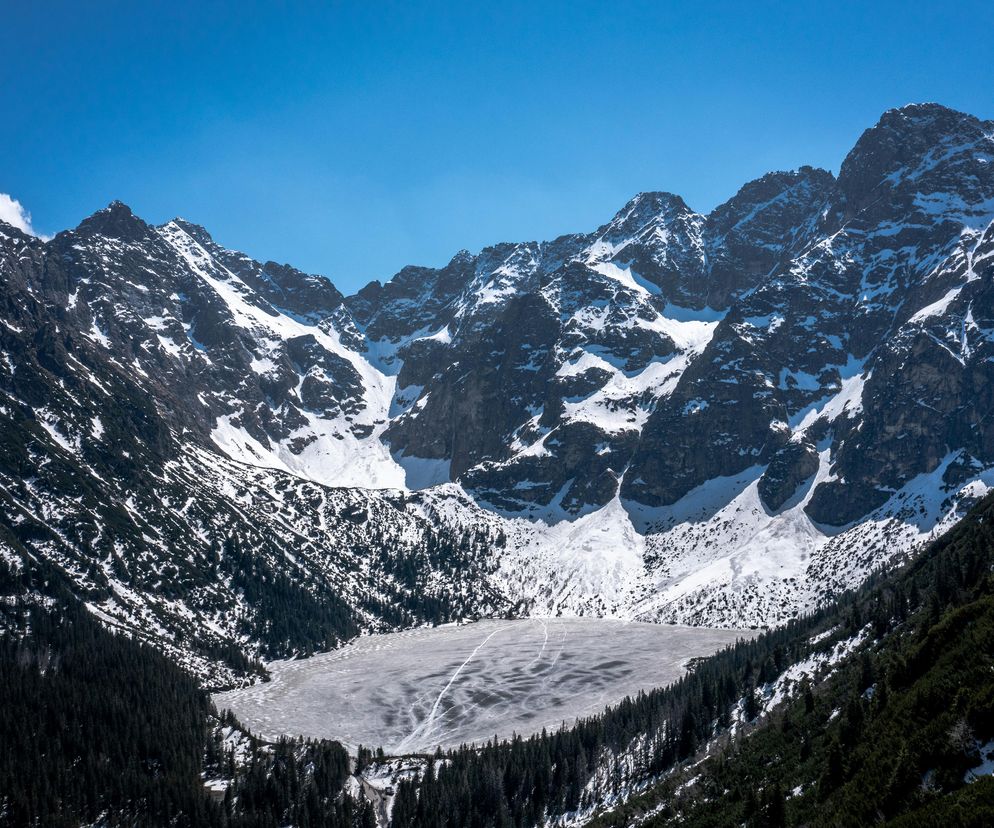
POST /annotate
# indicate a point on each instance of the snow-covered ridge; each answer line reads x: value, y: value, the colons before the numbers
x: 712, y: 419
x: 335, y: 454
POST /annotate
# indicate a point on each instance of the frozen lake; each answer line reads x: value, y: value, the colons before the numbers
x: 414, y: 691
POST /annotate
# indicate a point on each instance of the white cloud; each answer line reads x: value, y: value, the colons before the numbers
x: 13, y: 212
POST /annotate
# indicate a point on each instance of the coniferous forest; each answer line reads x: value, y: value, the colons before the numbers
x: 894, y: 736
x: 97, y: 728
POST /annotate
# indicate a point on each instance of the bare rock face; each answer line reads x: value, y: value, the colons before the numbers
x: 920, y: 180
x: 794, y: 464
x: 486, y: 393
x: 665, y: 349
x: 187, y: 315
x: 766, y: 222
x: 732, y: 392
x: 861, y: 303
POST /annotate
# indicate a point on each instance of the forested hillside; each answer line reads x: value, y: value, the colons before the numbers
x: 97, y: 729
x: 890, y: 708
x: 902, y: 733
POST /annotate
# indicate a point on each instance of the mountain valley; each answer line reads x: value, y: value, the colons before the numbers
x: 746, y: 420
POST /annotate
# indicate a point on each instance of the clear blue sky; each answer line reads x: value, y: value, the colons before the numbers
x: 352, y: 138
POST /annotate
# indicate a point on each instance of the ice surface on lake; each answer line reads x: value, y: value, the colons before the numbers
x: 417, y: 690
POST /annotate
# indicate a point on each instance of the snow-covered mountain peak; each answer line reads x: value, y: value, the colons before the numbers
x: 676, y: 415
x: 914, y: 148
x: 116, y: 220
x: 197, y: 232
x: 643, y: 210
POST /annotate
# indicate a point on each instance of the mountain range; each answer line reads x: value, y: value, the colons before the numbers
x: 723, y: 418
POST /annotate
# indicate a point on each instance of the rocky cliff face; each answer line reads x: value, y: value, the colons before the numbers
x: 677, y: 416
x: 665, y: 325
x: 606, y: 331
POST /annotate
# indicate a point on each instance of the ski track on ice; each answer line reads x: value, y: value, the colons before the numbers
x: 545, y: 640
x: 426, y: 726
x: 456, y: 685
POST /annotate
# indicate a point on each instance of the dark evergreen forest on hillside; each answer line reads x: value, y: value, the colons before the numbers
x: 97, y: 728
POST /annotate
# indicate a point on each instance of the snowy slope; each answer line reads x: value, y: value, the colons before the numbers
x: 343, y: 450
x: 710, y: 419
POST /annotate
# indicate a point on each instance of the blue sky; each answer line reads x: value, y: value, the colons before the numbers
x: 351, y: 139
